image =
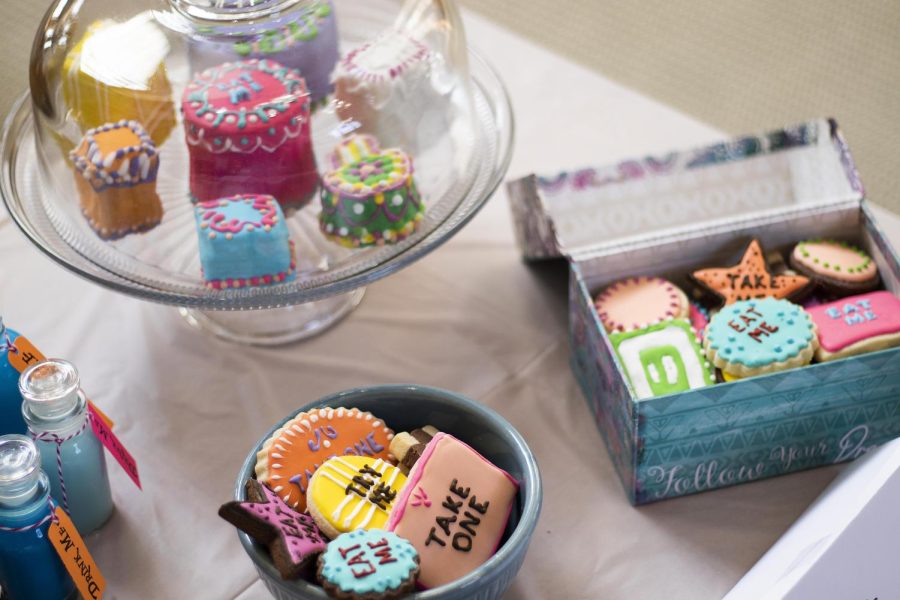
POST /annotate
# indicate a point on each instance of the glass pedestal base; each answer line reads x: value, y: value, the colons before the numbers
x: 274, y: 326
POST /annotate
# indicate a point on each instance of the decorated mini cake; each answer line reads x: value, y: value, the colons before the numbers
x: 662, y: 359
x: 115, y: 174
x: 371, y: 201
x: 368, y: 565
x: 751, y: 337
x: 287, y: 460
x: 353, y: 492
x: 116, y: 72
x: 243, y: 242
x: 857, y: 324
x: 453, y: 510
x: 750, y: 279
x: 248, y: 131
x: 840, y: 268
x: 640, y: 301
x: 385, y: 88
x: 293, y: 539
x: 304, y: 39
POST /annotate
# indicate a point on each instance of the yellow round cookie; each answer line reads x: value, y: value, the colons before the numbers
x: 353, y: 492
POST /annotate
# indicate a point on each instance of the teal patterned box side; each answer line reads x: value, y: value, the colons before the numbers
x: 765, y: 426
x: 736, y: 432
x: 590, y: 356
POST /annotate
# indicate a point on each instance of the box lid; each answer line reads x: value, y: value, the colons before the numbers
x: 580, y: 212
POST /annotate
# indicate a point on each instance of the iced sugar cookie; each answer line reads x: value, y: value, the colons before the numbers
x: 699, y: 318
x: 640, y: 301
x: 289, y: 458
x: 857, y: 324
x: 292, y: 538
x: 839, y: 267
x: 662, y: 359
x: 353, y: 492
x: 453, y: 509
x: 368, y: 564
x: 750, y: 278
x: 752, y: 337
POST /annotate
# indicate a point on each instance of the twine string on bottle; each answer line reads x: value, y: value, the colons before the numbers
x: 49, y: 518
x: 52, y: 437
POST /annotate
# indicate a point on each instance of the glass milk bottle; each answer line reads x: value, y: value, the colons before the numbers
x: 56, y: 412
x: 29, y: 566
x: 10, y: 400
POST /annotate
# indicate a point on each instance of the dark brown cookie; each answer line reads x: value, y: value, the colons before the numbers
x: 408, y: 447
x: 293, y: 538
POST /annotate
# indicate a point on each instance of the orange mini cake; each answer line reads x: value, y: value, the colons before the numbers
x: 115, y: 173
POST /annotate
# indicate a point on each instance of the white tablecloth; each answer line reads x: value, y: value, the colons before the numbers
x: 470, y: 317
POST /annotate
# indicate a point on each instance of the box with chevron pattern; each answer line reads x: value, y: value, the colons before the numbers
x: 668, y: 215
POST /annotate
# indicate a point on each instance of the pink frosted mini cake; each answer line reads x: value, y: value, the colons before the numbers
x: 247, y: 129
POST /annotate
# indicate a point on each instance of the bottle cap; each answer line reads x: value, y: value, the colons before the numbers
x: 20, y: 470
x: 50, y: 389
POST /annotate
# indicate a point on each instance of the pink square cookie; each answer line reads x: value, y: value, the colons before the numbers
x: 453, y: 510
x: 857, y: 324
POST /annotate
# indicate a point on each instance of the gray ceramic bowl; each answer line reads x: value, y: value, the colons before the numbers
x: 403, y: 408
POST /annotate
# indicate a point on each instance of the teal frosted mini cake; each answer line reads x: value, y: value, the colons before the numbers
x: 244, y: 242
x: 371, y: 201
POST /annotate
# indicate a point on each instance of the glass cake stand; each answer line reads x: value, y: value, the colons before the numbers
x: 455, y: 174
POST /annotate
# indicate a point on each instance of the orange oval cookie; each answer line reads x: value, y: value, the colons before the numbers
x: 289, y: 458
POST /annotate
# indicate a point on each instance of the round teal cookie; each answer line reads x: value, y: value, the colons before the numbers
x: 756, y: 336
x: 368, y: 562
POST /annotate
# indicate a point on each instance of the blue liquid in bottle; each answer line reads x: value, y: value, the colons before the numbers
x: 29, y: 566
x: 10, y: 401
x: 55, y: 409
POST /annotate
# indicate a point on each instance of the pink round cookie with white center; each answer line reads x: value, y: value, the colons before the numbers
x: 637, y: 302
x: 839, y: 267
x: 857, y: 324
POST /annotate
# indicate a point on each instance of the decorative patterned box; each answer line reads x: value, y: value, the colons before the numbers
x: 666, y: 216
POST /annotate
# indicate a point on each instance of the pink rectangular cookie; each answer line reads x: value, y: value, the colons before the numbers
x: 857, y: 324
x: 453, y: 509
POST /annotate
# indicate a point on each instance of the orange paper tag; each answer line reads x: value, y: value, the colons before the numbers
x: 76, y: 557
x: 24, y: 355
x: 97, y: 412
x: 115, y: 447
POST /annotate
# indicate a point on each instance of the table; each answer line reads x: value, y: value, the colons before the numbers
x: 470, y: 317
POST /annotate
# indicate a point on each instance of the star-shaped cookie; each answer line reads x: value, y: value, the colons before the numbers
x: 750, y: 279
x: 293, y: 538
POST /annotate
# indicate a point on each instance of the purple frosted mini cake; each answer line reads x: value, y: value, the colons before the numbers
x: 304, y: 39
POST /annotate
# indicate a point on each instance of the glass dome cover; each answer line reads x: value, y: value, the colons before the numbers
x: 251, y: 153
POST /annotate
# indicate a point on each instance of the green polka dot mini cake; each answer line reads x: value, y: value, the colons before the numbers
x: 371, y: 201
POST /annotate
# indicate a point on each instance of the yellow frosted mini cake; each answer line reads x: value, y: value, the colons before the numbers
x: 116, y: 72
